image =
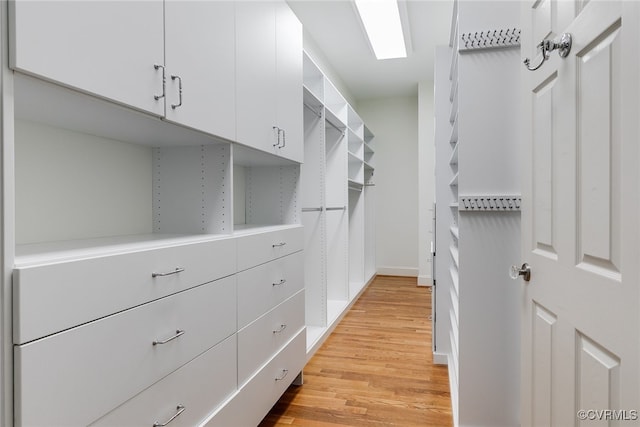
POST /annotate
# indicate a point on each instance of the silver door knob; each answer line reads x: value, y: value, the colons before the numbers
x: 524, y: 271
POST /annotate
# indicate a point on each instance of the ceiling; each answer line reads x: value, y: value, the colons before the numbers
x: 336, y: 29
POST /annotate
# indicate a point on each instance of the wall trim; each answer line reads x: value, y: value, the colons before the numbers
x: 398, y: 271
x: 440, y: 358
x: 425, y: 280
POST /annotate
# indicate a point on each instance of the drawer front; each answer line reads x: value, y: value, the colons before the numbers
x: 255, y: 398
x: 259, y: 341
x: 195, y: 390
x: 51, y: 298
x: 263, y: 287
x: 255, y: 249
x: 96, y: 367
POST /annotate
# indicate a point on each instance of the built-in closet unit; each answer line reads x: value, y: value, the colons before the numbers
x: 337, y: 193
x: 156, y: 242
x: 477, y: 212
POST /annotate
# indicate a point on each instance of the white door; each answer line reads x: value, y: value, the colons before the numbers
x: 200, y: 57
x: 107, y: 48
x: 580, y: 218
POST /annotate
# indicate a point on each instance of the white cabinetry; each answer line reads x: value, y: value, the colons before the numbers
x: 130, y: 275
x: 269, y: 62
x: 477, y: 219
x: 77, y: 44
x: 336, y: 182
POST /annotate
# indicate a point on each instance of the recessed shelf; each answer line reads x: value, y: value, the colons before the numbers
x: 453, y: 160
x: 454, y: 254
x: 453, y: 139
x: 454, y: 181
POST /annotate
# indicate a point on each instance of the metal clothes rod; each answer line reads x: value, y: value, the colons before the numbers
x: 337, y: 209
x: 310, y: 108
x: 311, y: 209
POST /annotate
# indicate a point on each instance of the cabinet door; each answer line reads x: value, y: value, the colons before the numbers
x: 200, y: 50
x: 256, y: 74
x: 102, y: 47
x: 289, y: 106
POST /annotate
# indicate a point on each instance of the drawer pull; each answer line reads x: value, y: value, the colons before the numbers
x: 176, y: 271
x: 178, y: 333
x: 180, y: 408
x: 278, y: 245
x: 281, y: 282
x: 284, y: 374
x: 282, y: 328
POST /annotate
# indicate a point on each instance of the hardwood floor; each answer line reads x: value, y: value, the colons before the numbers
x: 375, y: 369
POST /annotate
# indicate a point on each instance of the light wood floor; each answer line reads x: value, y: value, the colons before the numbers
x: 375, y: 369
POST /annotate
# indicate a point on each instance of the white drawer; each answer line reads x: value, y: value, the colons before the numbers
x: 54, y: 297
x: 76, y: 376
x: 255, y: 398
x: 255, y: 249
x: 259, y: 341
x: 263, y: 287
x: 195, y: 390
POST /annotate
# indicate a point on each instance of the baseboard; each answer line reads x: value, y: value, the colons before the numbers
x: 425, y: 280
x: 440, y: 358
x: 397, y: 271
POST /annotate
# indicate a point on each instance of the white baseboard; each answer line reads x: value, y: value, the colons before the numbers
x: 398, y: 271
x: 425, y: 280
x: 440, y: 358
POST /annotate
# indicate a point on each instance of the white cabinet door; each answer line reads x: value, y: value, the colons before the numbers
x: 256, y: 74
x: 200, y: 69
x: 289, y: 106
x: 102, y: 47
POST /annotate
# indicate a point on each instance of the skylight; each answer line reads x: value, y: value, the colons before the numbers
x: 381, y: 20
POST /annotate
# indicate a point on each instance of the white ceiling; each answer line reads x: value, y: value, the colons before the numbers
x: 337, y: 31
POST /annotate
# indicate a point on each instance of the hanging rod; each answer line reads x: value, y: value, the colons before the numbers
x: 312, y: 209
x: 310, y: 108
x: 341, y: 208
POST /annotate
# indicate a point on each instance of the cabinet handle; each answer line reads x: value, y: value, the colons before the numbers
x: 282, y: 328
x: 277, y: 245
x: 277, y: 129
x: 283, y: 376
x: 178, y: 333
x: 281, y: 282
x: 169, y: 273
x: 284, y: 138
x: 174, y: 106
x: 164, y: 82
x: 180, y: 408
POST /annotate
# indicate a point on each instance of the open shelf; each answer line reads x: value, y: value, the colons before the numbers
x: 454, y: 181
x: 455, y: 231
x: 454, y: 254
x: 453, y: 161
x: 312, y: 77
x: 453, y: 139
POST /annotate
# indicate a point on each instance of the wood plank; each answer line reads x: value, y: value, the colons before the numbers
x: 376, y: 368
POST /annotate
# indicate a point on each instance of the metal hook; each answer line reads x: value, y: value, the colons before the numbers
x: 548, y: 46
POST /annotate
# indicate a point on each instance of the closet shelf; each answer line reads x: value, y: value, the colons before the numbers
x: 332, y: 118
x: 453, y: 139
x: 454, y: 181
x: 354, y: 158
x: 368, y: 166
x: 311, y: 99
x: 453, y: 160
x: 454, y: 255
x: 355, y: 185
x: 455, y: 231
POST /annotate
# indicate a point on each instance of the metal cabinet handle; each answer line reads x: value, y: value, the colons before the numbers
x: 178, y: 333
x: 174, y: 106
x: 277, y: 129
x: 169, y: 273
x: 164, y: 82
x: 281, y: 282
x: 284, y: 138
x: 277, y: 245
x: 285, y: 372
x: 180, y: 409
x: 282, y: 328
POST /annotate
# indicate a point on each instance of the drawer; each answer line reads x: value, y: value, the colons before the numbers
x: 195, y: 390
x: 93, y: 368
x: 54, y: 297
x: 263, y: 287
x: 255, y: 398
x: 255, y: 249
x: 263, y: 338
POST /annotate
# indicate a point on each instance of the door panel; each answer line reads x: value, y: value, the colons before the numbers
x: 580, y: 217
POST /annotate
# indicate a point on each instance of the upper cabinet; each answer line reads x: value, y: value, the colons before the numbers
x: 200, y: 68
x: 102, y: 47
x: 172, y: 59
x: 269, y: 78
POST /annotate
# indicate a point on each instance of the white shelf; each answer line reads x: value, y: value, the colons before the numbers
x: 454, y: 278
x: 454, y: 254
x: 454, y: 106
x: 454, y: 156
x: 334, y: 309
x: 453, y: 205
x: 354, y: 158
x: 355, y: 185
x: 453, y: 139
x: 454, y: 181
x: 455, y: 231
x: 311, y: 99
x: 368, y: 166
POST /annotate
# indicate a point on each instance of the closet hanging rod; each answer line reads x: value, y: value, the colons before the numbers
x: 310, y: 108
x: 341, y: 208
x: 336, y: 127
x: 311, y: 209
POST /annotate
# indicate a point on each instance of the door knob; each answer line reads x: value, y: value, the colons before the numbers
x: 524, y: 271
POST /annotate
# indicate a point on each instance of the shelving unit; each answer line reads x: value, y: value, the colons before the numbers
x: 475, y: 109
x: 335, y: 178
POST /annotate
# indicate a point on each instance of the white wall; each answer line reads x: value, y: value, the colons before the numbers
x: 394, y: 122
x: 426, y: 180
